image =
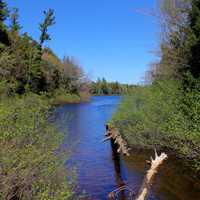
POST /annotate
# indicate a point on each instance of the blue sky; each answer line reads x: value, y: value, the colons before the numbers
x: 107, y: 37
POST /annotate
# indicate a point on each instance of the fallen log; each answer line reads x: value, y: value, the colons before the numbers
x: 147, y: 181
x: 114, y: 135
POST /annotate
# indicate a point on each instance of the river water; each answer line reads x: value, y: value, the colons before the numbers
x: 97, y: 172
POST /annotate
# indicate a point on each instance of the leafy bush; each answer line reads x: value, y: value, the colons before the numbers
x: 162, y: 115
x: 31, y: 166
x: 61, y: 97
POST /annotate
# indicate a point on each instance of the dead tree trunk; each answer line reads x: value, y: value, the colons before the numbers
x: 155, y: 164
x: 119, y: 145
x: 117, y: 142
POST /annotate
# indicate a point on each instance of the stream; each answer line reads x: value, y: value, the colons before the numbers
x: 97, y: 172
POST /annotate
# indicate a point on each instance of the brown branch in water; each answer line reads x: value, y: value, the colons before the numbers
x: 107, y: 138
x: 113, y: 134
x: 113, y: 195
x: 143, y: 192
x: 155, y: 164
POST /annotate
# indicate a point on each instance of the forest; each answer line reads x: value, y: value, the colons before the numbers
x: 165, y: 113
x: 103, y: 87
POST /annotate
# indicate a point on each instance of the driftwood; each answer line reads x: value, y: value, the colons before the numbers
x: 148, y: 179
x: 155, y: 164
x: 113, y: 134
x: 122, y: 147
x: 113, y: 195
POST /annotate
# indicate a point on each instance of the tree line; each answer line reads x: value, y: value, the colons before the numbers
x: 103, y: 87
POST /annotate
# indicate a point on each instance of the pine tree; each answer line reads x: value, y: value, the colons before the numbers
x: 48, y: 21
x: 4, y: 13
x: 15, y: 26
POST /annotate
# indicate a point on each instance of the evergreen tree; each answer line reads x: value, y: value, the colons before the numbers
x: 48, y: 21
x: 4, y: 13
x: 15, y: 26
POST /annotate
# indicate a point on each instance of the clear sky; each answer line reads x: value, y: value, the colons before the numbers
x: 107, y: 37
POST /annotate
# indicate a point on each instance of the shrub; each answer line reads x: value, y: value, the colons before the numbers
x: 162, y: 115
x: 31, y: 166
x: 61, y: 97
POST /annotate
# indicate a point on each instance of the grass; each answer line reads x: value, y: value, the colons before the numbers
x: 60, y: 97
x: 66, y: 98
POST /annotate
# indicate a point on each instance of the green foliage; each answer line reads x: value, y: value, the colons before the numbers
x: 48, y: 21
x: 162, y: 115
x: 3, y: 11
x: 30, y: 167
x: 26, y: 66
x: 102, y: 87
x: 15, y: 26
x: 72, y: 75
x: 22, y: 63
x: 31, y: 164
x: 148, y: 109
x: 61, y: 97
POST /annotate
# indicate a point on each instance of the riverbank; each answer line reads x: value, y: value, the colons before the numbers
x: 112, y: 133
x: 161, y: 116
x: 67, y: 98
x: 182, y: 149
x: 189, y: 161
x: 28, y: 142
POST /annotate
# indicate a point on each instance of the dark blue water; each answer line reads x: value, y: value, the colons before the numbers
x: 97, y: 172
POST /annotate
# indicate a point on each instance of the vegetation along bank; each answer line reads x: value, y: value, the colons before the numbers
x: 165, y: 112
x: 32, y: 77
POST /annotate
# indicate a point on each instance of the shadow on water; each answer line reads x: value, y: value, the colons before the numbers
x: 122, y: 192
x: 117, y: 166
x: 100, y: 171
